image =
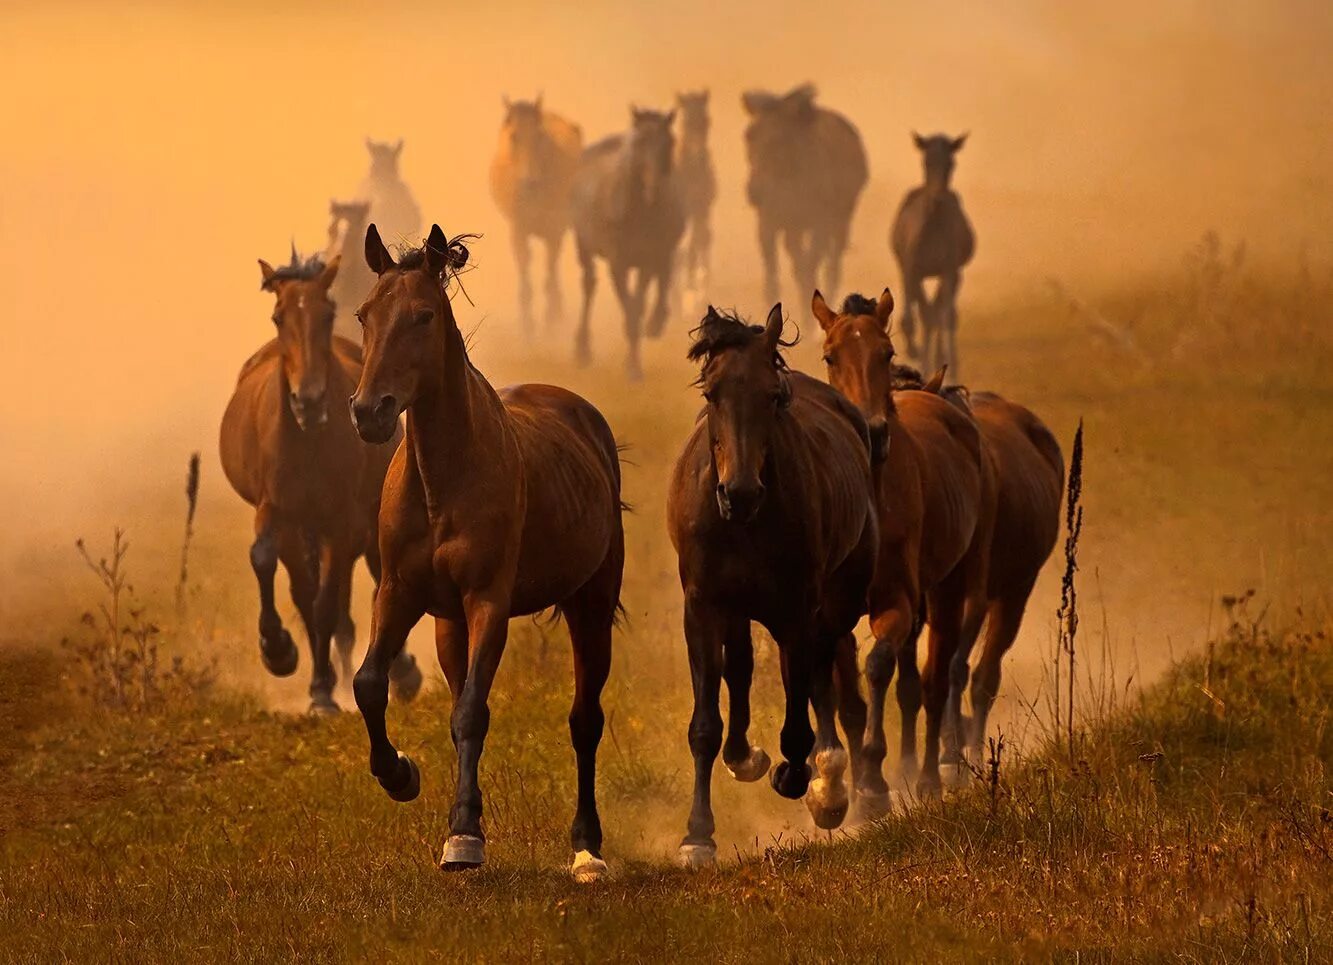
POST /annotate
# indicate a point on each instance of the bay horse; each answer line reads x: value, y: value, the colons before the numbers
x: 532, y: 174
x: 1029, y: 473
x: 391, y: 202
x: 932, y: 238
x: 347, y: 226
x: 698, y: 191
x: 626, y: 209
x: 771, y: 513
x: 935, y: 502
x: 315, y: 486
x: 495, y: 505
x: 807, y: 170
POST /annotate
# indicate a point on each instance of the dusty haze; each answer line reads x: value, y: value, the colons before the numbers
x: 153, y: 153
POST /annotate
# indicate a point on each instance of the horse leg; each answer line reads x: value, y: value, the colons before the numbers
x: 523, y: 261
x: 909, y: 694
x: 1006, y: 615
x: 837, y: 246
x: 955, y: 736
x: 891, y: 624
x: 335, y: 575
x: 947, y: 602
x: 945, y: 315
x: 768, y: 250
x: 706, y: 631
x: 583, y: 338
x: 914, y: 302
x: 631, y: 302
x: 591, y: 615
x: 304, y: 584
x: 657, y: 321
x: 800, y: 249
x: 396, y: 611
x: 851, y: 705
x: 344, y: 633
x: 828, y: 797
x: 747, y: 762
x: 791, y: 778
x: 487, y: 629
x: 276, y: 648
x: 555, y: 308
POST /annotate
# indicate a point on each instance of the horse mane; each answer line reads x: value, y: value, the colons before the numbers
x: 858, y: 304
x: 297, y: 269
x: 720, y: 331
x: 906, y: 377
x: 412, y: 258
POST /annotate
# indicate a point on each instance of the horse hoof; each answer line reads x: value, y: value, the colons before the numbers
x: 928, y: 786
x: 828, y: 800
x: 587, y: 867
x: 463, y: 852
x: 280, y: 658
x: 954, y: 775
x: 405, y: 683
x: 791, y: 780
x: 753, y: 767
x: 873, y: 805
x: 656, y: 326
x: 908, y: 769
x: 696, y: 857
x: 324, y: 706
x: 405, y: 786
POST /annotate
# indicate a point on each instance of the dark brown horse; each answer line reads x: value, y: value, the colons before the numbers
x: 315, y: 486
x: 698, y: 191
x: 627, y: 210
x: 936, y: 507
x: 807, y: 170
x: 495, y: 505
x: 532, y: 174
x: 347, y: 227
x: 771, y: 513
x: 932, y: 238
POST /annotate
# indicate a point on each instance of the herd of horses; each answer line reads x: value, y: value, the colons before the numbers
x: 796, y: 503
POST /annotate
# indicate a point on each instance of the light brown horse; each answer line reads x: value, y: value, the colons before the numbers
x: 932, y: 238
x: 936, y: 508
x: 391, y: 202
x: 698, y: 191
x: 315, y: 486
x: 807, y: 171
x: 496, y: 505
x: 532, y: 174
x: 347, y: 227
x: 771, y: 512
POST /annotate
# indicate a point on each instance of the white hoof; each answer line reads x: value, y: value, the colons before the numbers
x: 587, y: 867
x: 463, y: 851
x: 828, y: 799
x: 871, y: 806
x: 696, y: 857
x: 752, y: 768
x: 954, y: 775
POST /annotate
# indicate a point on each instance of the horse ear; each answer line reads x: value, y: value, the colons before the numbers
x: 823, y: 314
x: 936, y: 382
x: 884, y: 308
x: 398, y: 148
x: 756, y: 102
x: 919, y: 141
x: 957, y: 143
x: 370, y: 145
x: 330, y: 272
x: 671, y: 117
x: 268, y: 272
x: 437, y: 250
x: 773, y: 327
x: 377, y: 256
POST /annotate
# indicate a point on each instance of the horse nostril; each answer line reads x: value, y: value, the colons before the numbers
x: 387, y: 403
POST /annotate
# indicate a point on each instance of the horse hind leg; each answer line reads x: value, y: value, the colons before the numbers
x: 1006, y: 616
x: 588, y: 271
x: 331, y: 594
x: 523, y: 263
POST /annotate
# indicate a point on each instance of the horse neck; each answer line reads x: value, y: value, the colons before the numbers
x: 693, y: 148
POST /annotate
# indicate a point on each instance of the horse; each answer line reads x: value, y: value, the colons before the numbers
x: 496, y: 504
x: 315, y: 486
x: 771, y: 513
x: 935, y: 502
x: 698, y: 190
x: 1030, y: 474
x: 626, y: 208
x: 932, y: 238
x: 532, y: 174
x: 391, y: 202
x: 807, y: 170
x: 347, y: 226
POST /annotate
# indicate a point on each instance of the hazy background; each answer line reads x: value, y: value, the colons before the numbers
x: 153, y: 151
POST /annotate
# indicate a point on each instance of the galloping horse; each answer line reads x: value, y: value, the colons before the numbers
x: 626, y: 208
x: 698, y: 191
x: 807, y: 170
x: 936, y: 507
x: 315, y: 486
x: 532, y: 174
x: 347, y: 226
x: 932, y: 238
x: 495, y: 505
x: 391, y: 202
x: 771, y: 512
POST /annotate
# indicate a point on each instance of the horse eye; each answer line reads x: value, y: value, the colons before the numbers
x: 828, y: 358
x: 277, y: 318
x: 357, y: 315
x: 423, y: 317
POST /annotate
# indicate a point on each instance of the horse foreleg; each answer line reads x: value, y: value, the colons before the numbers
x: 554, y: 301
x: 631, y: 303
x: 746, y: 762
x: 914, y: 303
x: 705, y: 636
x: 583, y: 338
x: 523, y: 262
x: 791, y: 778
x: 946, y: 323
x: 946, y: 605
x: 892, y: 624
x: 662, y: 276
x: 851, y: 705
x: 302, y: 575
x: 768, y: 250
x: 396, y: 611
x: 800, y: 250
x: 276, y: 648
x: 828, y: 797
x: 335, y: 577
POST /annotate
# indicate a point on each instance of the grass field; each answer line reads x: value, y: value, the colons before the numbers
x: 1192, y: 822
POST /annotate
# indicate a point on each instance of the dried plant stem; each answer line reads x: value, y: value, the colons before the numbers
x: 192, y: 503
x: 1068, y: 613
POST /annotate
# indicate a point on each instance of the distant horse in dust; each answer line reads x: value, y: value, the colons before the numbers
x: 315, y: 486
x: 698, y: 191
x: 807, y: 170
x: 1029, y: 474
x: 627, y: 209
x: 771, y: 511
x: 932, y: 238
x: 347, y: 226
x: 532, y: 175
x: 935, y: 497
x: 392, y: 205
x: 496, y: 505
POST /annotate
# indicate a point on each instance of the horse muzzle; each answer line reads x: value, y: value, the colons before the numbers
x: 739, y: 502
x: 375, y: 422
x: 310, y: 412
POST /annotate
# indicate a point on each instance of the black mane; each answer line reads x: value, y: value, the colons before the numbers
x: 858, y: 304
x: 295, y: 270
x: 720, y: 331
